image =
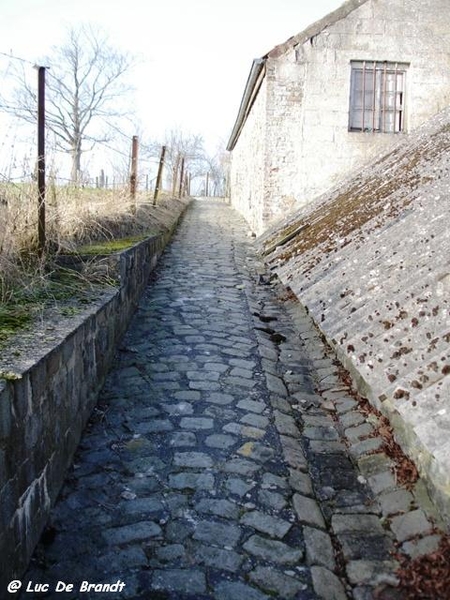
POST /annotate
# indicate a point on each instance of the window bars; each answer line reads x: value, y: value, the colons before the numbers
x: 377, y: 96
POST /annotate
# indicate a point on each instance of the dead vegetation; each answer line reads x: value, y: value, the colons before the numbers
x: 76, y: 218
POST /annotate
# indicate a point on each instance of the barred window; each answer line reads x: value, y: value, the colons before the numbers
x: 377, y: 96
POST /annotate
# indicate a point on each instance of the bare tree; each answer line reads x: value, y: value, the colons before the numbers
x: 218, y: 166
x: 85, y: 87
x: 180, y: 144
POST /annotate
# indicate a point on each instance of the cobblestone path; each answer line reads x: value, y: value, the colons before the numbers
x: 214, y: 466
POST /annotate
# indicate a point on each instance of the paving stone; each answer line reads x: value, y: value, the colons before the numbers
x: 371, y: 572
x: 170, y: 552
x: 220, y: 398
x: 220, y: 440
x: 354, y: 434
x: 308, y: 511
x: 190, y: 581
x: 319, y: 549
x: 266, y: 523
x: 239, y: 487
x: 181, y: 408
x: 252, y: 406
x: 276, y: 582
x: 327, y: 585
x: 132, y: 533
x: 221, y: 508
x: 183, y: 438
x: 255, y: 420
x: 241, y: 466
x: 382, y: 481
x: 239, y: 382
x: 344, y: 405
x: 421, y: 546
x: 208, y: 386
x: 187, y: 395
x: 230, y: 590
x: 276, y: 385
x: 271, y: 481
x: 242, y: 363
x: 286, y: 424
x: 280, y: 404
x: 301, y: 482
x: 395, y: 501
x: 192, y: 481
x: 272, y: 499
x: 218, y: 558
x: 239, y: 372
x: 373, y: 464
x: 196, y: 423
x: 273, y: 550
x: 356, y: 523
x: 244, y: 430
x: 293, y: 453
x: 327, y: 447
x: 155, y: 426
x: 178, y: 530
x: 194, y: 460
x: 256, y: 451
x: 366, y: 446
x: 217, y: 534
x: 413, y: 523
x: 203, y: 376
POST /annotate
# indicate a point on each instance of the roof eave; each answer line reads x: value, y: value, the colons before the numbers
x: 254, y: 81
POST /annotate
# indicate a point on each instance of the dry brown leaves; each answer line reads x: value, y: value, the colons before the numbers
x: 426, y: 577
x: 405, y: 470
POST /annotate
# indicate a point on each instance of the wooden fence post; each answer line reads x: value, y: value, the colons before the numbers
x: 180, y: 191
x: 41, y: 160
x: 133, y: 174
x: 159, y: 176
x: 175, y: 175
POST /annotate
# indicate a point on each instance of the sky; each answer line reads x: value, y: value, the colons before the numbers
x: 193, y: 56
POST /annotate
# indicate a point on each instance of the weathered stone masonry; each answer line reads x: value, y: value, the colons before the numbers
x: 43, y: 411
x: 294, y: 142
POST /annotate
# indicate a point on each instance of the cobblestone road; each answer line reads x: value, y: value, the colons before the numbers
x: 214, y: 466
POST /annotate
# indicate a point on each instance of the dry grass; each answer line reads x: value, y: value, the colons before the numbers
x: 74, y: 218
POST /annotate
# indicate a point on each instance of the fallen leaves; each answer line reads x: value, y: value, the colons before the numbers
x: 426, y: 577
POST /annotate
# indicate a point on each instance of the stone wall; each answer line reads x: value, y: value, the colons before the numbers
x: 43, y: 411
x: 371, y: 265
x: 308, y: 147
x: 247, y: 179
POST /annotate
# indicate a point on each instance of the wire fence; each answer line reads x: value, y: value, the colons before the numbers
x: 51, y: 196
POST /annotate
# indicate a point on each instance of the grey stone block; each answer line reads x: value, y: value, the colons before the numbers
x: 308, y: 511
x: 327, y: 585
x: 319, y: 549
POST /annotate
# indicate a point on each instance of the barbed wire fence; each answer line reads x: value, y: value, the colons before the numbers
x: 29, y: 155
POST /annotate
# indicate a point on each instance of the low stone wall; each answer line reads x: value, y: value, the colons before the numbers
x: 43, y: 412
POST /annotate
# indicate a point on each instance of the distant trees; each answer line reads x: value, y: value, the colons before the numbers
x: 197, y: 162
x: 85, y: 90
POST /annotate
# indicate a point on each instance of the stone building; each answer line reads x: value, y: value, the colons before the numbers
x: 334, y: 98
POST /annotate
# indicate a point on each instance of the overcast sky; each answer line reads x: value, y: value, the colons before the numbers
x: 195, y: 55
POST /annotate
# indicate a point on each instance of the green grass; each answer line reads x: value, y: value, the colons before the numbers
x: 112, y: 246
x: 62, y: 288
x: 13, y: 319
